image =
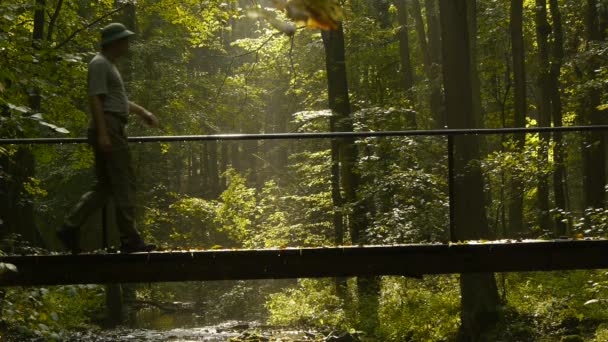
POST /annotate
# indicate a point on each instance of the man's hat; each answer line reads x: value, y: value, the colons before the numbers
x: 113, y: 32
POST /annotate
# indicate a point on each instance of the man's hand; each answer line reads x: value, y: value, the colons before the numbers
x: 103, y: 140
x: 144, y: 114
x: 150, y: 119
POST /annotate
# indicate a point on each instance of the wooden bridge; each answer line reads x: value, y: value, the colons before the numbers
x: 402, y: 260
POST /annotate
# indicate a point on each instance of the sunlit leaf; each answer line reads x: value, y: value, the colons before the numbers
x: 55, y: 128
x: 602, y: 107
x: 322, y: 14
x: 22, y: 109
x: 37, y: 116
x: 258, y: 13
x: 6, y: 267
x: 592, y: 301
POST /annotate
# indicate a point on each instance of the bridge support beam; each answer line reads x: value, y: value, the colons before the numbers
x: 403, y: 260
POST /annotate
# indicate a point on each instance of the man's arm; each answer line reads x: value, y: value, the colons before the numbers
x: 103, y: 138
x: 148, y: 117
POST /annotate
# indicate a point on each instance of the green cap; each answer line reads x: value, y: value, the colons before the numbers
x: 113, y: 32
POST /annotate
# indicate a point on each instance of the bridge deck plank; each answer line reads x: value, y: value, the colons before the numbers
x: 405, y: 260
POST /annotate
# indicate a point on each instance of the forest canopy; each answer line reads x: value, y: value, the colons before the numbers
x: 304, y: 66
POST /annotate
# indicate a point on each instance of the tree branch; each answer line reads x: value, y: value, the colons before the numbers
x: 53, y: 21
x: 60, y: 45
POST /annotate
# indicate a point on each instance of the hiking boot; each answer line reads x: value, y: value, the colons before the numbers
x: 136, y: 245
x: 70, y: 237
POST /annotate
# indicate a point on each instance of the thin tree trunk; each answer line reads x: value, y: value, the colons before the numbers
x: 339, y: 103
x: 235, y: 156
x: 543, y: 29
x: 213, y: 177
x: 404, y: 46
x: 196, y: 172
x: 431, y: 55
x: 205, y: 176
x: 516, y: 200
x: 435, y: 78
x: 421, y: 33
x: 476, y: 83
x: 114, y: 305
x: 594, y: 179
x: 479, y: 294
x: 53, y: 20
x: 559, y: 172
x: 337, y: 215
x: 223, y: 166
x: 25, y: 163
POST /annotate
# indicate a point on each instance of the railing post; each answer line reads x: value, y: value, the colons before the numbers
x: 451, y: 185
x: 104, y: 227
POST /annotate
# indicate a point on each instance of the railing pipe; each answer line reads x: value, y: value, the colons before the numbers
x: 308, y: 136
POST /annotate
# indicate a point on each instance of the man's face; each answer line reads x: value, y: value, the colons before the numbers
x: 122, y: 46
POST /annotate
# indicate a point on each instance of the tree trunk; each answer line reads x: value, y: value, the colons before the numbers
x: 114, y: 307
x: 223, y: 166
x: 212, y: 176
x: 338, y: 204
x: 24, y: 165
x: 479, y: 292
x: 197, y: 171
x: 559, y: 172
x: 421, y: 33
x: 603, y: 20
x: 53, y: 20
x: 204, y: 176
x: 407, y: 78
x: 339, y: 103
x: 543, y: 29
x: 475, y: 81
x: 235, y: 156
x: 516, y: 201
x: 381, y: 7
x: 434, y: 46
x: 594, y: 179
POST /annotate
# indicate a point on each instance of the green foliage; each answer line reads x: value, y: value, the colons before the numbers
x: 205, y: 68
x: 48, y: 313
x: 242, y: 217
x: 426, y: 310
x: 559, y: 303
x: 237, y: 212
x: 311, y: 303
x: 410, y: 310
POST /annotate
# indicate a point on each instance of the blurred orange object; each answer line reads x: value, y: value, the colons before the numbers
x: 322, y: 14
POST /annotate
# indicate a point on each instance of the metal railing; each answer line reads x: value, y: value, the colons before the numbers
x: 324, y: 135
x: 449, y: 133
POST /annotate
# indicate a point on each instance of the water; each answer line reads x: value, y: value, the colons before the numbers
x: 152, y: 325
x: 217, y: 333
x: 221, y: 332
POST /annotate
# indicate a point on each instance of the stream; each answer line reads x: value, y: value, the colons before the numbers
x: 151, y: 325
x: 227, y: 331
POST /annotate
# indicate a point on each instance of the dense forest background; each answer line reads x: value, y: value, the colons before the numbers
x: 236, y: 66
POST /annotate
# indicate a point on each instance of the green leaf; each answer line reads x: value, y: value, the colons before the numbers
x: 37, y: 116
x: 5, y: 267
x: 55, y: 128
x: 22, y: 109
x: 602, y: 107
x: 592, y: 301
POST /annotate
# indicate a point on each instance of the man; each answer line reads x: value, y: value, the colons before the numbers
x: 115, y: 178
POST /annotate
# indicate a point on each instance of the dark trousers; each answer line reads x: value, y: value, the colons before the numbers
x: 114, y: 179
